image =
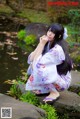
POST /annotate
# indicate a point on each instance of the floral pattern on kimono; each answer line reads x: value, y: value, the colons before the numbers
x: 44, y: 76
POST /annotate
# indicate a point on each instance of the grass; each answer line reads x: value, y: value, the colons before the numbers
x: 35, y: 16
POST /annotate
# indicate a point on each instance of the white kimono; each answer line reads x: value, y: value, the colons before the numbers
x: 44, y: 76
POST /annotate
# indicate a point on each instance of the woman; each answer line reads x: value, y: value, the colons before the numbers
x: 50, y: 65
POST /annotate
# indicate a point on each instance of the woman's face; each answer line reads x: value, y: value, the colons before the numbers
x: 50, y: 35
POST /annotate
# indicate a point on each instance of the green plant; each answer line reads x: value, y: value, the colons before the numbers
x: 50, y: 111
x: 79, y: 94
x: 14, y: 91
x: 21, y: 34
x: 29, y: 97
x: 22, y: 79
x: 30, y: 39
x: 74, y: 14
x: 24, y: 40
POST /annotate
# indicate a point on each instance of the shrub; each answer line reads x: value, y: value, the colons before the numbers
x: 30, y: 98
x: 24, y: 41
x: 14, y: 91
x: 21, y: 34
x: 74, y: 14
x: 30, y: 39
x: 51, y: 112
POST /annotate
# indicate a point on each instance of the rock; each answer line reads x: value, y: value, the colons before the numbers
x: 75, y: 78
x: 68, y: 102
x: 37, y: 29
x: 21, y: 110
x: 75, y: 84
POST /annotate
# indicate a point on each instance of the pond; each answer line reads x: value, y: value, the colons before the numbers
x: 13, y: 61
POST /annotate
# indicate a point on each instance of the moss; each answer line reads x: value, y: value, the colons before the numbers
x: 5, y: 9
x: 35, y: 16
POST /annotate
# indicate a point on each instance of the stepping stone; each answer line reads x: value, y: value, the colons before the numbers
x: 68, y: 101
x: 21, y: 110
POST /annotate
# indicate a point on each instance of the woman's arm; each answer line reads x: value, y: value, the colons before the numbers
x: 32, y: 55
x: 39, y: 48
x: 43, y: 41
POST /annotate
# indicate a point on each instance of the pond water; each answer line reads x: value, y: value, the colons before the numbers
x: 12, y: 62
x: 12, y: 59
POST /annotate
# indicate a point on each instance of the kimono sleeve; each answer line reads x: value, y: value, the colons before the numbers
x: 29, y: 61
x: 29, y: 70
x: 54, y: 56
x: 45, y: 65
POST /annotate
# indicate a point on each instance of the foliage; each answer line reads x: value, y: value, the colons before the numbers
x: 26, y: 40
x: 15, y: 5
x: 58, y: 14
x: 29, y: 97
x: 21, y: 34
x: 75, y: 55
x: 30, y: 39
x: 34, y: 16
x: 14, y: 91
x: 22, y: 79
x: 5, y: 9
x: 74, y: 14
x: 51, y: 112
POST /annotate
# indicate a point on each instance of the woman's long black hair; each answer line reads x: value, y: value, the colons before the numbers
x: 66, y: 65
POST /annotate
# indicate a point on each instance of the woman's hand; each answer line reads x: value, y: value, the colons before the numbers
x: 43, y: 39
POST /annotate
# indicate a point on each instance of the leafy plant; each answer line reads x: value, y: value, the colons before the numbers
x: 30, y: 39
x: 29, y: 97
x: 74, y: 14
x: 79, y: 93
x: 51, y: 112
x: 21, y: 34
x: 26, y: 40
x: 22, y: 79
x: 14, y: 91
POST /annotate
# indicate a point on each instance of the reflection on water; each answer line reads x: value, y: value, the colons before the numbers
x: 12, y: 61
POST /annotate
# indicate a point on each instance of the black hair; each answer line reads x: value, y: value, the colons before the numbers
x: 58, y: 30
x: 66, y: 65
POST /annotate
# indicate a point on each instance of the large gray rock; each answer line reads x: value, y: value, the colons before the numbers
x: 38, y: 29
x: 75, y: 78
x: 68, y: 102
x: 21, y: 110
x: 75, y: 84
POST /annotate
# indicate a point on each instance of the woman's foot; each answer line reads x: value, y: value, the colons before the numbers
x: 38, y: 93
x: 52, y: 97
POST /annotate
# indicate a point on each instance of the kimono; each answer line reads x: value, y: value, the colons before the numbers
x: 44, y: 76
